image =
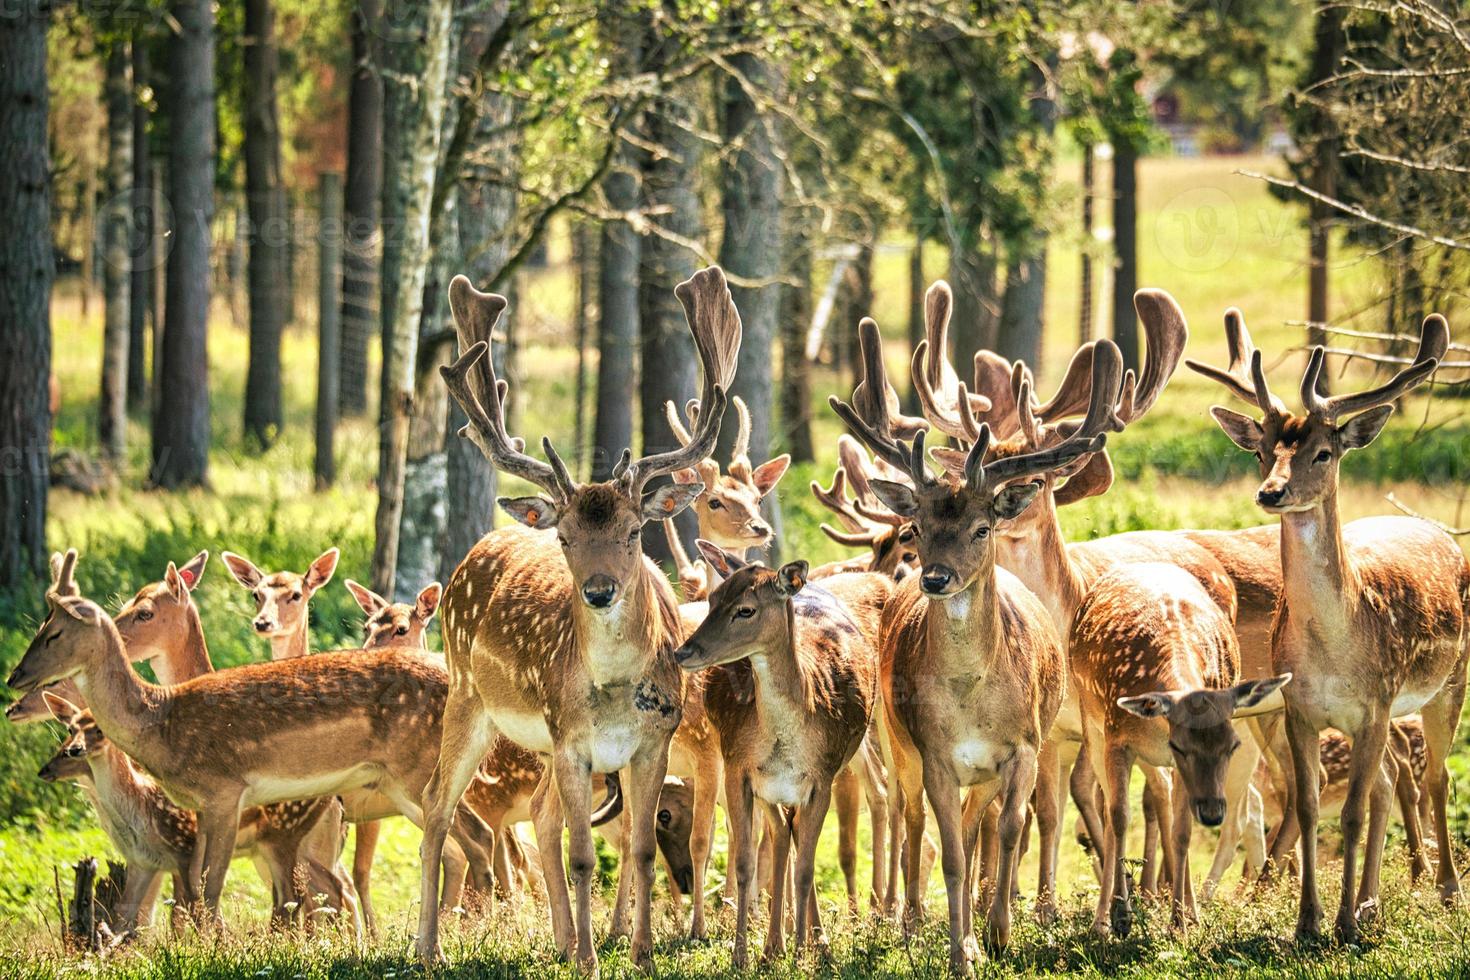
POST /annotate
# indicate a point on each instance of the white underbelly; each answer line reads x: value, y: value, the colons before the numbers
x: 526, y: 729
x: 263, y: 788
x: 977, y: 758
x: 782, y: 787
x: 1409, y: 701
x: 613, y: 747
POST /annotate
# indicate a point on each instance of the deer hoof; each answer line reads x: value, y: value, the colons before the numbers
x: 1120, y: 918
x: 997, y: 938
x: 1345, y: 930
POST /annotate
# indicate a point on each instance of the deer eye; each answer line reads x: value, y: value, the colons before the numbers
x: 401, y: 631
x: 144, y: 615
x: 633, y: 534
x: 906, y: 535
x: 54, y: 636
x: 665, y: 818
x: 744, y: 612
x: 1323, y: 456
x: 562, y: 541
x: 715, y: 504
x: 982, y: 532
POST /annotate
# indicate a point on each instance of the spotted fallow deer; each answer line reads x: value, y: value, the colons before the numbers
x: 1374, y: 620
x: 866, y: 523
x: 282, y: 600
x: 1155, y: 664
x: 973, y: 671
x: 560, y: 633
x: 253, y: 735
x: 791, y: 692
x: 157, y: 837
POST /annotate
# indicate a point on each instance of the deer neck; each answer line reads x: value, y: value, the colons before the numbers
x: 289, y: 646
x: 619, y: 646
x: 126, y: 707
x: 962, y: 632
x: 117, y: 784
x: 189, y: 658
x: 1040, y: 560
x: 1314, y: 565
x: 782, y: 687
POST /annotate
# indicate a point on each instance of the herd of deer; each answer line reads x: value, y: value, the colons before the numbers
x: 963, y: 667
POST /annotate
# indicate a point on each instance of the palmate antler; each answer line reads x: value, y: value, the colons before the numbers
x: 714, y: 323
x: 863, y: 517
x: 1237, y: 377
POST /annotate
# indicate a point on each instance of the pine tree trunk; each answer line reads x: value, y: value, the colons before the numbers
x: 413, y: 121
x: 181, y: 420
x: 751, y: 180
x: 1326, y: 51
x: 329, y: 329
x: 139, y: 250
x: 269, y: 229
x: 1084, y: 281
x: 917, y: 286
x: 796, y: 370
x: 1125, y: 244
x: 1023, y: 308
x: 619, y: 259
x: 112, y: 406
x: 360, y: 206
x: 972, y: 324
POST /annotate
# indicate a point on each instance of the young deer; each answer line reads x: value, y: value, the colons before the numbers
x: 253, y: 735
x: 729, y: 510
x: 1374, y: 619
x: 281, y: 600
x: 792, y: 698
x: 157, y: 837
x: 973, y: 671
x: 1155, y: 664
x: 396, y: 623
x: 560, y: 634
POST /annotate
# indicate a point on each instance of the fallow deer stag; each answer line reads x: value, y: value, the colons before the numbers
x: 866, y: 523
x: 791, y: 694
x: 1374, y: 620
x: 256, y: 734
x: 282, y: 599
x: 560, y: 634
x: 1155, y: 663
x: 973, y: 671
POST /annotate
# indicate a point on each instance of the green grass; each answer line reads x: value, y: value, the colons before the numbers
x: 1212, y: 238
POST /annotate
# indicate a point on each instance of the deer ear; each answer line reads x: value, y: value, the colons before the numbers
x: 367, y: 600
x: 1243, y: 430
x: 193, y: 570
x: 174, y: 579
x: 321, y: 570
x: 1360, y: 430
x: 242, y: 569
x: 1154, y: 705
x: 790, y: 577
x: 897, y: 497
x: 1260, y: 696
x: 722, y: 561
x: 1011, y: 502
x: 669, y: 500
x: 768, y: 474
x: 685, y: 476
x: 537, y: 513
x: 427, y: 602
x: 61, y: 709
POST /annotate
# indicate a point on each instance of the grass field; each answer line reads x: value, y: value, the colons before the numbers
x: 1212, y: 238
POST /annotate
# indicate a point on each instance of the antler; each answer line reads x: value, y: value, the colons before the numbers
x: 860, y: 471
x: 1237, y: 377
x: 873, y: 413
x: 715, y: 324
x: 944, y: 400
x: 1434, y: 340
x: 864, y: 516
x: 471, y: 380
x: 62, y: 567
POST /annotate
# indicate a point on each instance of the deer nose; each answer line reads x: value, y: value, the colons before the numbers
x: 599, y: 591
x: 760, y: 528
x: 262, y: 626
x: 1211, y: 812
x: 936, y: 579
x: 1270, y: 495
x: 686, y: 653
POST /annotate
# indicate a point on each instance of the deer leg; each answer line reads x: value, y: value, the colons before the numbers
x: 911, y: 776
x: 809, y: 821
x: 573, y: 780
x: 1148, y: 877
x: 1049, y: 827
x: 1238, y: 776
x: 1365, y: 768
x: 778, y: 832
x: 1301, y: 734
x: 365, y: 845
x: 1181, y: 892
x: 944, y: 796
x: 546, y: 817
x: 870, y: 770
x: 140, y: 889
x: 701, y: 838
x: 1380, y: 803
x: 846, y: 796
x: 1441, y: 718
x: 1018, y: 781
x: 1083, y: 785
x: 1114, y: 903
x: 467, y: 736
x: 1286, y: 836
x: 219, y: 826
x: 740, y: 809
x: 1407, y: 794
x: 645, y: 783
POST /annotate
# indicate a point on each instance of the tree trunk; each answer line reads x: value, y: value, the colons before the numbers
x: 1022, y: 313
x: 619, y: 258
x: 181, y: 422
x: 1084, y: 281
x: 142, y: 229
x: 329, y: 329
x: 112, y: 406
x: 972, y: 324
x: 412, y: 123
x: 583, y: 263
x: 796, y: 370
x: 917, y: 286
x: 269, y: 226
x: 1326, y: 51
x: 668, y: 368
x: 361, y: 201
x: 1125, y: 243
x: 751, y: 179
x: 25, y: 296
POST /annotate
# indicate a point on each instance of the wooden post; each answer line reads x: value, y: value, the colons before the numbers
x: 329, y: 236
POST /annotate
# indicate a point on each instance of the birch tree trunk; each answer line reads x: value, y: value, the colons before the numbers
x: 112, y: 406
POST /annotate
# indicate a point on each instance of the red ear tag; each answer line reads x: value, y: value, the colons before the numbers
x: 532, y: 516
x: 187, y: 576
x: 669, y: 504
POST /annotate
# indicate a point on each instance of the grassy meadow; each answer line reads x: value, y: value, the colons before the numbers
x: 1211, y: 237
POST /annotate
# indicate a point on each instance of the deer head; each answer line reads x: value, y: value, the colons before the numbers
x: 83, y: 741
x: 75, y: 635
x: 749, y: 612
x: 599, y: 525
x: 1300, y: 454
x: 281, y: 598
x: 955, y: 513
x: 1201, y: 734
x: 160, y: 613
x: 865, y: 521
x: 729, y: 510
x: 395, y: 623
